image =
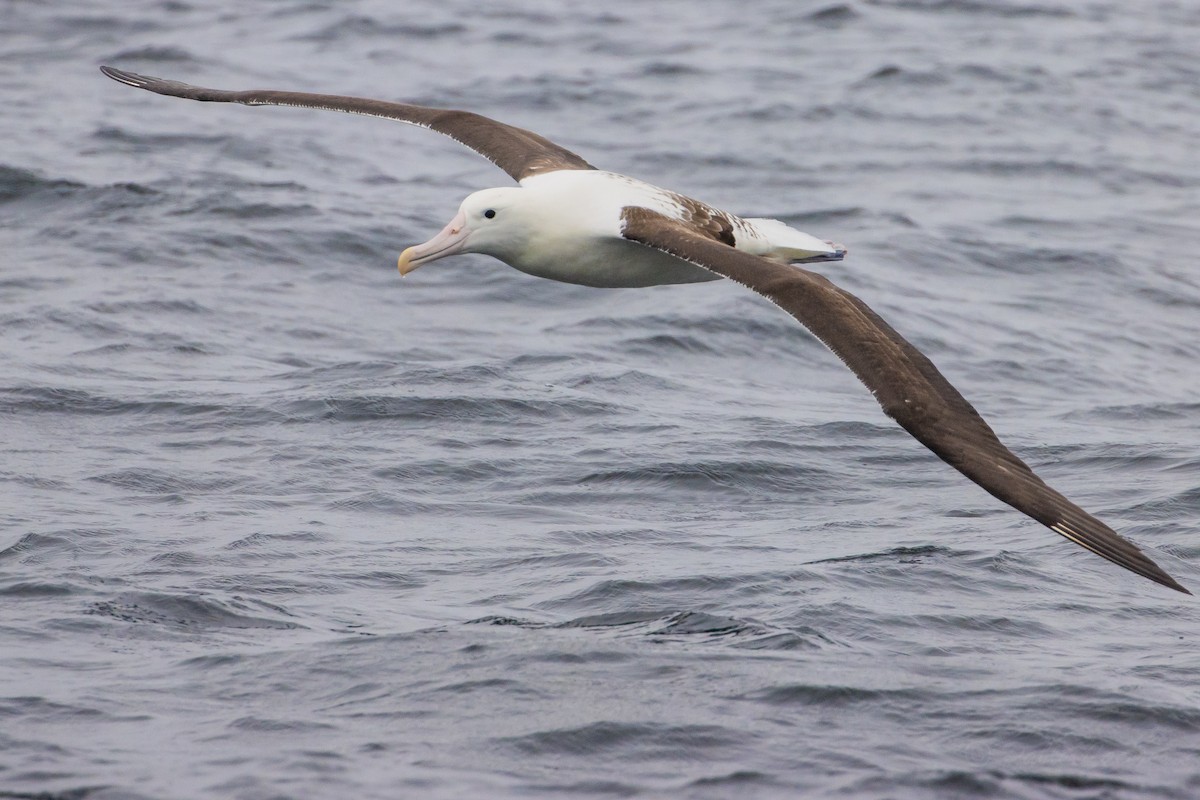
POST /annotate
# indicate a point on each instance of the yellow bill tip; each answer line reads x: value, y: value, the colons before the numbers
x: 403, y: 263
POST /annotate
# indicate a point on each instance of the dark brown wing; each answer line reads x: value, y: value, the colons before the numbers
x: 518, y: 152
x: 905, y: 382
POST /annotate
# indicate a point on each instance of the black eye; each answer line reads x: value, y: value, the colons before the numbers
x: 491, y: 212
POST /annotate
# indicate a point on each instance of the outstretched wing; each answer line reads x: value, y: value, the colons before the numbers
x: 518, y: 152
x: 906, y: 383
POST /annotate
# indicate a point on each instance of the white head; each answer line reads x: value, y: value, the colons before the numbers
x: 488, y: 222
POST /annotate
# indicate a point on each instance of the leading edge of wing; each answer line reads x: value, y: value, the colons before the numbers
x: 907, y: 385
x: 518, y: 152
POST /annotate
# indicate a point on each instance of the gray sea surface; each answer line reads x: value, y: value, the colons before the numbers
x: 276, y: 523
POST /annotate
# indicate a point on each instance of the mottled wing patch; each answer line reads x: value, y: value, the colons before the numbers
x: 712, y: 222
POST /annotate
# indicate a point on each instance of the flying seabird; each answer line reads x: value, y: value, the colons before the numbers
x: 571, y: 222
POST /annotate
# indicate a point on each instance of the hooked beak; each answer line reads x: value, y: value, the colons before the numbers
x: 838, y: 254
x: 451, y: 240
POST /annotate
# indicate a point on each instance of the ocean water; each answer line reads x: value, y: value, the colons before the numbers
x: 276, y: 523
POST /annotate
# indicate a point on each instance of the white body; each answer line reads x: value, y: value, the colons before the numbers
x: 566, y: 226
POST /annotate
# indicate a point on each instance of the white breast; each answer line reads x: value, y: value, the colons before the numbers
x: 577, y: 236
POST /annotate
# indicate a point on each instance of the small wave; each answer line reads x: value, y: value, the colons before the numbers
x: 756, y: 476
x: 1138, y: 412
x: 642, y: 741
x: 682, y: 623
x: 506, y: 686
x: 991, y: 8
x: 690, y: 625
x: 996, y: 783
x: 232, y: 207
x: 76, y: 401
x: 380, y: 579
x: 964, y: 78
x: 34, y: 709
x: 1099, y: 705
x: 542, y: 563
x: 276, y: 543
x: 392, y: 505
x: 269, y: 725
x: 360, y: 27
x: 631, y: 382
x: 546, y: 92
x: 141, y: 139
x: 326, y: 374
x: 498, y: 409
x: 668, y: 336
x: 179, y: 415
x: 153, y: 306
x: 1169, y: 299
x: 523, y: 37
x: 834, y: 16
x: 37, y: 589
x: 191, y: 612
x: 162, y: 482
x: 76, y: 542
x: 81, y: 793
x: 670, y: 69
x: 1074, y: 783
x: 35, y: 481
x: 905, y: 555
x: 155, y: 54
x: 836, y: 695
x: 48, y: 204
x: 1021, y: 260
x: 665, y: 343
x: 740, y: 782
x: 98, y: 26
x: 893, y: 74
x: 822, y: 216
x: 17, y: 183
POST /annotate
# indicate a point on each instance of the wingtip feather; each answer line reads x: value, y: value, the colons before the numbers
x: 1130, y: 557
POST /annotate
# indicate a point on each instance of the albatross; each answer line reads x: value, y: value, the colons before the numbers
x: 569, y: 221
